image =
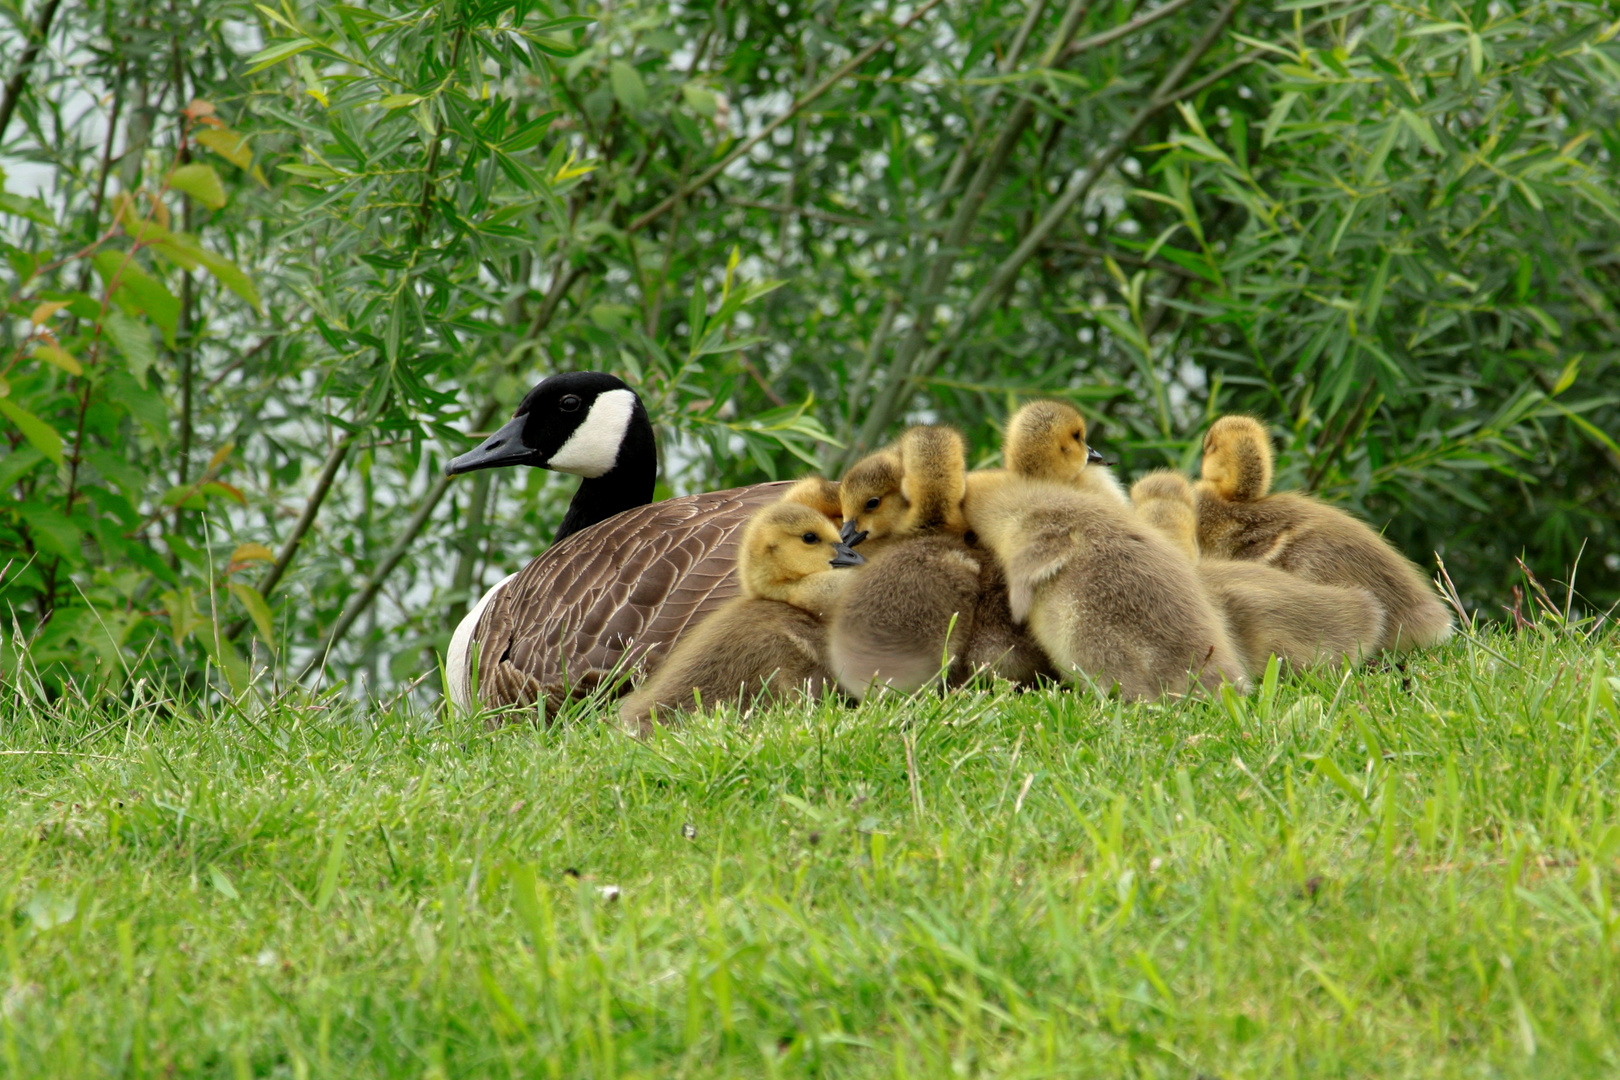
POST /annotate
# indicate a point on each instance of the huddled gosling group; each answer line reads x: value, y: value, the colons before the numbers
x: 1043, y: 570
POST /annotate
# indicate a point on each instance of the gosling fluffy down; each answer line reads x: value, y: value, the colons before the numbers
x: 1103, y: 594
x: 1267, y: 611
x: 1239, y: 519
x: 1047, y: 440
x: 770, y: 641
x: 929, y: 604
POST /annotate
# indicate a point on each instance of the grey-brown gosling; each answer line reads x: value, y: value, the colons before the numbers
x: 1239, y: 518
x: 769, y: 641
x: 928, y: 604
x: 1104, y: 594
x: 1267, y: 610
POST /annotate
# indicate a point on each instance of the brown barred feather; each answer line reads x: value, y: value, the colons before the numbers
x: 613, y: 596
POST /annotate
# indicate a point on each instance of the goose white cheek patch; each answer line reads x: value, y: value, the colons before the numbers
x: 593, y: 448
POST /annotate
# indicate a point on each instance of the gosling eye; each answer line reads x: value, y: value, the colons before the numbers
x: 872, y: 503
x: 811, y: 538
x: 569, y: 403
x: 1077, y: 437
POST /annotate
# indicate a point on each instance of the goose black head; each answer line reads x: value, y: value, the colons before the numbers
x: 578, y: 422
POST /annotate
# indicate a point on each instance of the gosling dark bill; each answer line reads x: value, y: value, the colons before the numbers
x: 844, y: 555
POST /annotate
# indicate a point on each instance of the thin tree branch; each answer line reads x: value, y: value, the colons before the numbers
x: 810, y: 96
x: 428, y: 174
x: 548, y: 307
x: 323, y: 487
x: 804, y: 211
x: 1015, y: 51
x: 312, y: 507
x: 472, y: 534
x: 19, y: 78
x: 1125, y: 29
x: 967, y: 212
x: 1080, y: 184
x: 430, y: 501
x: 224, y: 372
x: 1004, y: 66
x: 392, y: 558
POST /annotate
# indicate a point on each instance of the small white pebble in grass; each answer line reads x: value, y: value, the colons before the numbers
x: 608, y: 893
x: 1154, y: 864
x: 266, y: 958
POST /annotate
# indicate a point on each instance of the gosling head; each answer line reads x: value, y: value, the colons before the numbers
x: 914, y: 486
x: 785, y: 543
x: 818, y: 493
x: 1237, y: 458
x: 1046, y: 440
x: 870, y: 499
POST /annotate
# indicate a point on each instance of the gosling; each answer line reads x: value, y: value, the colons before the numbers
x: 1104, y: 595
x: 1268, y: 612
x: 1238, y: 518
x: 929, y: 604
x: 1047, y: 439
x: 770, y: 641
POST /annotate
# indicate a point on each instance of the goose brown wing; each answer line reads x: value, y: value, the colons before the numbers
x: 613, y: 596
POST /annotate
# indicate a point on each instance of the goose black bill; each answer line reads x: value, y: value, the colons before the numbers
x: 849, y: 536
x: 505, y: 447
x: 844, y: 555
x: 1094, y: 457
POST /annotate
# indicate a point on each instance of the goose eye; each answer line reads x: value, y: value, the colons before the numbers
x: 811, y: 538
x: 569, y: 403
x: 872, y: 503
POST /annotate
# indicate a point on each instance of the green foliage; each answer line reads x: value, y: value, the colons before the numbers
x: 84, y: 412
x: 342, y: 239
x: 1394, y: 874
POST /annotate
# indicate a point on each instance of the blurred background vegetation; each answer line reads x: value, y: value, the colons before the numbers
x: 266, y: 267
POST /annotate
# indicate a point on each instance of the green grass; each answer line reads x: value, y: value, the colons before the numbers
x: 1380, y: 875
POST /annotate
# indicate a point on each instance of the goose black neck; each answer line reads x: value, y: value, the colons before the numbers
x: 627, y: 485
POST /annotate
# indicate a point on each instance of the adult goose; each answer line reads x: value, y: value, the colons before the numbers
x: 623, y: 577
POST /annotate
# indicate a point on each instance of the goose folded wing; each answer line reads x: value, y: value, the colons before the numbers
x: 612, y: 597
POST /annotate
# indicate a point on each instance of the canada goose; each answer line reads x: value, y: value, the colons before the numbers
x: 929, y: 601
x: 769, y: 641
x: 1238, y: 518
x: 1267, y: 610
x: 621, y: 579
x: 1101, y: 592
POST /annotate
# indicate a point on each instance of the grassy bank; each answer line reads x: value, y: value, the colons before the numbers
x: 1383, y: 875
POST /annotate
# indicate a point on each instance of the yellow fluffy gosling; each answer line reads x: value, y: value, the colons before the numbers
x: 1105, y: 595
x: 770, y: 640
x: 1239, y: 518
x: 1267, y: 610
x: 929, y: 603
